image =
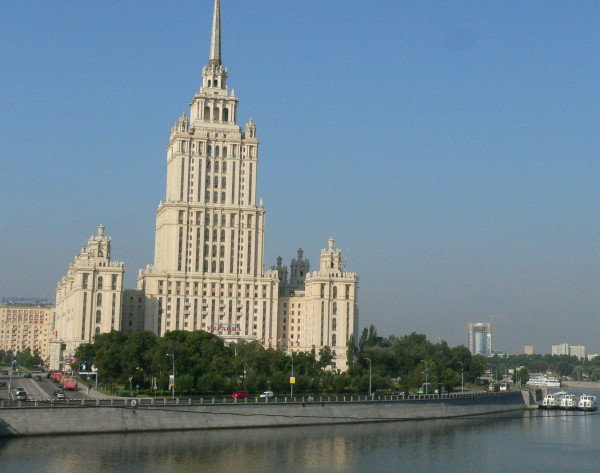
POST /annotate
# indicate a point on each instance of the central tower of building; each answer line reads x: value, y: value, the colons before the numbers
x: 208, y: 270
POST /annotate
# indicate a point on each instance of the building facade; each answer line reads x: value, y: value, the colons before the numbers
x: 26, y: 323
x: 208, y: 272
x: 89, y: 296
x: 317, y: 309
x: 528, y: 350
x: 479, y: 338
x: 562, y: 349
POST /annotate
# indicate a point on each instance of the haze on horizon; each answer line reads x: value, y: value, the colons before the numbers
x: 451, y: 149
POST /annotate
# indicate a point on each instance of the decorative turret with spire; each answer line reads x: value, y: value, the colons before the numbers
x: 215, y: 38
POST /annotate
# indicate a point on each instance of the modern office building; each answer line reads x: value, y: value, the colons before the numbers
x: 26, y: 323
x: 479, y: 338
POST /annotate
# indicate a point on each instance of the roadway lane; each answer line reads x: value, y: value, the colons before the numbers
x: 38, y: 390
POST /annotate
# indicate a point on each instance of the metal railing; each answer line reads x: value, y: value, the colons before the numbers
x: 150, y: 402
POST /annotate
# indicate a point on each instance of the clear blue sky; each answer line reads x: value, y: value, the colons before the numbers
x: 451, y: 148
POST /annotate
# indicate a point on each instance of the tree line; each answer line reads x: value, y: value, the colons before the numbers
x: 206, y: 365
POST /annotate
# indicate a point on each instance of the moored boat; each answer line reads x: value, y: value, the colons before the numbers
x: 569, y: 402
x: 540, y: 380
x: 587, y: 403
x: 550, y: 401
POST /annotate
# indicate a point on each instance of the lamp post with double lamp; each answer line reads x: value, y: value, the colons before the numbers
x: 172, y: 355
x: 370, y: 373
x: 426, y: 376
x: 462, y: 378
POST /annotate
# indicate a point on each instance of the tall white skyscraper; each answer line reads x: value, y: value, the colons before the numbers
x: 208, y: 270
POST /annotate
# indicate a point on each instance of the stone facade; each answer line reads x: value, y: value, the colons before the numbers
x: 208, y: 272
x: 89, y: 297
x: 317, y: 309
x: 25, y: 325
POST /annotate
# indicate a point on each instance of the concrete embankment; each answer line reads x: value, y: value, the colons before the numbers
x: 166, y: 415
x: 579, y: 385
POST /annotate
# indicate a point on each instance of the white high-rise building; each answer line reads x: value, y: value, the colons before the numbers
x: 479, y: 338
x: 208, y: 270
x: 89, y: 296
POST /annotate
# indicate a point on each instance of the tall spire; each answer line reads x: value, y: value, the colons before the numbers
x: 215, y: 39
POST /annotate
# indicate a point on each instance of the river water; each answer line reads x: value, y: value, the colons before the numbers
x: 532, y: 441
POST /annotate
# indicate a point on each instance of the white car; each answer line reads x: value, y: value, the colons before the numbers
x: 267, y: 395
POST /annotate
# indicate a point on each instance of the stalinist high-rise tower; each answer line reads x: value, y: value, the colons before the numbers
x: 208, y: 271
x: 208, y: 264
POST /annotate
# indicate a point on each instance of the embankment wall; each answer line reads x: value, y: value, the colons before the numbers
x: 52, y: 420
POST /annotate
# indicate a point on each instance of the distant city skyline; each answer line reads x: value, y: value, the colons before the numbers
x: 451, y: 150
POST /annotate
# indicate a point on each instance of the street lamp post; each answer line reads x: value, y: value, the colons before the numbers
x: 172, y: 355
x: 426, y: 376
x: 462, y: 379
x: 292, y: 384
x: 370, y: 372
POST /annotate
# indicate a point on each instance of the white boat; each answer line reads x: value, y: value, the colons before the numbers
x: 551, y: 401
x: 587, y: 403
x: 541, y: 380
x: 569, y: 402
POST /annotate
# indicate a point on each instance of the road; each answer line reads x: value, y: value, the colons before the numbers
x: 38, y: 390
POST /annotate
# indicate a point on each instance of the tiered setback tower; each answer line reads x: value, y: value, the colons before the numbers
x: 89, y: 297
x: 317, y: 309
x: 208, y: 264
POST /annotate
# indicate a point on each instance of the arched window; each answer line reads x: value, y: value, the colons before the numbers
x: 216, y: 83
x: 98, y: 316
x: 100, y: 281
x: 209, y: 83
x: 223, y: 220
x: 223, y: 182
x: 335, y: 292
x: 217, y: 150
x: 206, y: 251
x: 224, y: 155
x: 97, y: 330
x: 333, y: 324
x: 208, y: 153
x: 216, y: 198
x: 205, y: 268
x: 217, y: 162
x: 222, y: 251
x: 225, y: 114
x: 216, y: 114
x: 206, y: 233
x: 222, y: 235
x: 213, y: 266
x: 222, y: 197
x: 215, y: 219
x: 207, y: 111
x: 214, y: 250
x: 99, y: 300
x: 333, y: 340
x: 208, y: 160
x: 335, y: 308
x: 221, y: 267
x: 215, y: 234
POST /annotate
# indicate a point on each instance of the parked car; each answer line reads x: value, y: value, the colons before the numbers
x: 240, y: 395
x: 59, y: 394
x: 27, y: 375
x: 267, y: 395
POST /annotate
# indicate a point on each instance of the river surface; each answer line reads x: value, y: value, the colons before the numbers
x: 532, y: 441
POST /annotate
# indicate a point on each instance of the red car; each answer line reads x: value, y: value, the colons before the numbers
x: 240, y: 395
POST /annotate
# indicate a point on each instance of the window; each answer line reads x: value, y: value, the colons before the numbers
x: 333, y: 324
x: 100, y: 281
x: 333, y: 340
x: 84, y: 284
x: 99, y: 300
x: 335, y: 292
x: 113, y: 284
x: 335, y: 308
x: 98, y: 316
